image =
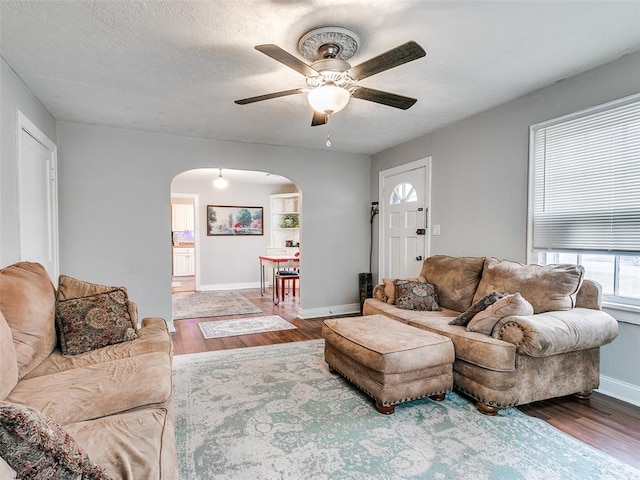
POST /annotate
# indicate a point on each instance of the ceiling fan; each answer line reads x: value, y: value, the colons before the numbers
x: 331, y: 81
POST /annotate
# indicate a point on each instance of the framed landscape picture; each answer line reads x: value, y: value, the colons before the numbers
x: 229, y: 220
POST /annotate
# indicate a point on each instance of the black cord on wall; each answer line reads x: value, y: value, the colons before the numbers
x: 374, y: 212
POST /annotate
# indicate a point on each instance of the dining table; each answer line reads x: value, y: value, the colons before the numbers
x: 276, y: 263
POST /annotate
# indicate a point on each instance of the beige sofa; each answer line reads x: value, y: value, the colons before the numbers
x: 551, y: 353
x: 114, y: 401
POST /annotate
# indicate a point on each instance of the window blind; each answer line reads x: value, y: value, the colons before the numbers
x: 586, y: 182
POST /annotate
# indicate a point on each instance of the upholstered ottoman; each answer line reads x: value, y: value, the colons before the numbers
x: 390, y: 361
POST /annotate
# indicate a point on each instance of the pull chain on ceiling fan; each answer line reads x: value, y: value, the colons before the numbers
x: 331, y: 81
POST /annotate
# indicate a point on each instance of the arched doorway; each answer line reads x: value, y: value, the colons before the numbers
x: 226, y: 262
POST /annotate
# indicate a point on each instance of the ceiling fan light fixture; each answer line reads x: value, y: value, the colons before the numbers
x: 328, y: 98
x: 220, y: 182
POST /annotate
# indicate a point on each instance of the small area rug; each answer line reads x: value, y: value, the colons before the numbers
x: 244, y: 326
x: 275, y: 412
x: 210, y: 304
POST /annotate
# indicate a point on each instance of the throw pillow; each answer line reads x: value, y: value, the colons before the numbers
x: 412, y: 295
x: 93, y: 322
x: 489, y: 299
x: 70, y: 288
x: 547, y: 287
x: 390, y: 287
x: 37, y: 448
x: 507, y: 306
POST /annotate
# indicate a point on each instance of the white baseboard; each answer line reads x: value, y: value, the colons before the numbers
x: 229, y: 286
x: 627, y: 392
x: 328, y: 311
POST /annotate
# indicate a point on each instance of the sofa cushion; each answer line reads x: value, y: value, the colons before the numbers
x: 416, y: 296
x: 37, y: 447
x: 455, y: 278
x: 8, y: 360
x: 475, y: 348
x: 489, y: 299
x: 94, y: 391
x: 483, y: 322
x: 132, y: 445
x: 70, y: 288
x: 27, y: 301
x: 152, y: 337
x: 547, y: 288
x: 92, y: 322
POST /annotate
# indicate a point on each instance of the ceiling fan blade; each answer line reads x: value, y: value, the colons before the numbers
x: 268, y: 96
x: 406, y: 52
x: 286, y: 58
x: 319, y: 119
x: 385, y: 98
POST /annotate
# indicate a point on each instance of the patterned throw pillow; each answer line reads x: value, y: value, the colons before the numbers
x: 92, y: 322
x: 412, y: 295
x: 37, y: 448
x: 489, y: 299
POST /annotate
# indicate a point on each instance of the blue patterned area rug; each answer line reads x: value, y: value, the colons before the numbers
x: 275, y: 412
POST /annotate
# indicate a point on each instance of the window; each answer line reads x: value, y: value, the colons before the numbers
x: 403, y: 192
x: 585, y: 195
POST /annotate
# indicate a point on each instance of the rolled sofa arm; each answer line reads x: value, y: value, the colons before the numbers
x: 552, y: 333
x: 589, y: 295
x: 378, y: 293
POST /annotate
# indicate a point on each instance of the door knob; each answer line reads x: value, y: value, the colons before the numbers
x: 419, y: 257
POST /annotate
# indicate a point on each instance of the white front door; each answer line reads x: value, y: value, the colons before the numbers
x: 404, y: 219
x: 38, y: 197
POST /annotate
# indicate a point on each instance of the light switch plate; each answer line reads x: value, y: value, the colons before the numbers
x: 436, y: 230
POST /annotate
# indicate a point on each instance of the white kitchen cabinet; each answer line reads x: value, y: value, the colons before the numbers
x: 182, y: 217
x: 183, y: 262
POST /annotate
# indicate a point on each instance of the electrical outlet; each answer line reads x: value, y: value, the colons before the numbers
x: 436, y: 230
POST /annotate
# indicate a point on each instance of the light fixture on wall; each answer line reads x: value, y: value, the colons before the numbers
x: 220, y: 182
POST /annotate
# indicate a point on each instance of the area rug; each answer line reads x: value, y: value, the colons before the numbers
x: 275, y: 412
x: 244, y: 326
x: 210, y: 304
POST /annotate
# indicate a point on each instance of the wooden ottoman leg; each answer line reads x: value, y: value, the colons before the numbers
x: 487, y: 409
x: 438, y: 397
x: 331, y: 369
x: 385, y: 409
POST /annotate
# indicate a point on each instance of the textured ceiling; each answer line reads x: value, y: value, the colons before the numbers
x: 177, y: 66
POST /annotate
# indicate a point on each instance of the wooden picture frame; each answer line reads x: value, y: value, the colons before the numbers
x: 225, y: 220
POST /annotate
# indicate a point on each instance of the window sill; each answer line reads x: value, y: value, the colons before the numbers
x: 623, y: 313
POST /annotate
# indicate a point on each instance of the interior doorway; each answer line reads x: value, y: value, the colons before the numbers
x: 185, y: 244
x: 227, y: 244
x: 405, y: 194
x: 37, y: 197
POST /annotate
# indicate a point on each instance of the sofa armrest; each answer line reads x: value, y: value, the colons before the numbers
x: 378, y: 293
x: 552, y: 333
x: 589, y: 295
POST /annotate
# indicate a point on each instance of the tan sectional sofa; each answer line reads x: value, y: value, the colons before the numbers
x: 553, y: 352
x: 114, y: 401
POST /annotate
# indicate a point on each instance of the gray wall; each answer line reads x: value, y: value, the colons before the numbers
x: 14, y: 96
x: 229, y: 260
x: 479, y: 190
x: 114, y: 196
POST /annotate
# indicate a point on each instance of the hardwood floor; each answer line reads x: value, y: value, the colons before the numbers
x: 603, y: 422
